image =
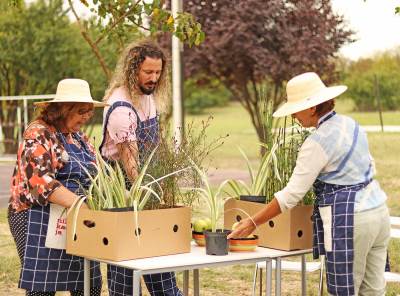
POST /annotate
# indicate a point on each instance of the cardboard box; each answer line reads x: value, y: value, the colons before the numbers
x: 291, y: 230
x: 112, y: 235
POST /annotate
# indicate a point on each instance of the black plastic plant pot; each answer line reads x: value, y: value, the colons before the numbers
x: 217, y: 242
x: 254, y: 198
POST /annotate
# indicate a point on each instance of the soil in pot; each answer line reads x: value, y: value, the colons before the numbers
x: 217, y: 242
x: 254, y: 198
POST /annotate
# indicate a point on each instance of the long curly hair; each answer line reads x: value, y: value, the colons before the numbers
x: 127, y: 70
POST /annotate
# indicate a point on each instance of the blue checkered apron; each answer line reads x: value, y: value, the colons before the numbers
x: 46, y: 269
x: 119, y: 279
x: 339, y: 261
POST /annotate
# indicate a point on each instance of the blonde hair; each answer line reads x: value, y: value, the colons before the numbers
x: 127, y: 70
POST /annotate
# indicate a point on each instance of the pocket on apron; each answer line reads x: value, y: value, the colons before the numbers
x: 57, y: 228
x: 326, y: 216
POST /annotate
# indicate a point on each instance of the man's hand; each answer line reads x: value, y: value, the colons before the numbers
x: 243, y: 229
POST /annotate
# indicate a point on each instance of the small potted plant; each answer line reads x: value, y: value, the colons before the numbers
x: 216, y: 241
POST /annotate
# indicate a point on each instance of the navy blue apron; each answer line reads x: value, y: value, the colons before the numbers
x: 46, y: 269
x: 119, y: 279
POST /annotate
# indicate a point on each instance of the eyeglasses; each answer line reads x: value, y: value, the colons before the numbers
x: 87, y: 112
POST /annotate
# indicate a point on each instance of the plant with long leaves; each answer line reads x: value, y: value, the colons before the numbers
x: 212, y: 198
x: 259, y: 178
x: 109, y: 188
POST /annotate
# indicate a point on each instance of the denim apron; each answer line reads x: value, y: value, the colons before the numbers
x: 119, y: 279
x: 46, y: 269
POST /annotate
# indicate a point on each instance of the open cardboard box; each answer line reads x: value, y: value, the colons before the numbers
x: 291, y: 230
x: 113, y: 236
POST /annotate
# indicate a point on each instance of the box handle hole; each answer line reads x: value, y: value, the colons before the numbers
x: 175, y: 228
x: 89, y: 224
x: 75, y: 237
x: 271, y: 224
x: 238, y: 218
x: 105, y: 241
x: 300, y: 233
x: 138, y: 231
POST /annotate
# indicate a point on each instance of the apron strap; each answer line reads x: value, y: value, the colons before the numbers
x: 347, y: 157
x: 114, y: 106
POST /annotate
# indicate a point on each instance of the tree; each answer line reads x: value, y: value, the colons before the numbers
x: 38, y: 47
x: 119, y: 17
x: 252, y: 42
x: 360, y: 78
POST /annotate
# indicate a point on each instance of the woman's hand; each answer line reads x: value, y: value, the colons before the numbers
x: 248, y: 225
x: 243, y: 229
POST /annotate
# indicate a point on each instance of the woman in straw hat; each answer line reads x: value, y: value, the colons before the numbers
x: 351, y: 219
x: 51, y: 167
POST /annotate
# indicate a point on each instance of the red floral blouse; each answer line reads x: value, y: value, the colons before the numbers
x: 39, y: 158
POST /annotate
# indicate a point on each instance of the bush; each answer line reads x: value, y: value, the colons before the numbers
x: 360, y: 78
x: 199, y: 96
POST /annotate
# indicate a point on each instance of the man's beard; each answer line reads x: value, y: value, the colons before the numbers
x: 147, y: 91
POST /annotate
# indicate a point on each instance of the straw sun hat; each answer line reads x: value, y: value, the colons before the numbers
x: 73, y: 90
x: 305, y: 91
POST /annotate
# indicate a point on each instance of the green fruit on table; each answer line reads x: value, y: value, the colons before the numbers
x: 200, y: 225
x: 208, y: 221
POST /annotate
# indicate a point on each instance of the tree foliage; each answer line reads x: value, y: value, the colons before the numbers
x: 118, y: 18
x: 361, y: 77
x: 38, y: 47
x: 253, y: 42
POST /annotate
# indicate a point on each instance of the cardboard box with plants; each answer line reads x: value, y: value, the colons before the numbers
x: 292, y: 229
x: 117, y: 225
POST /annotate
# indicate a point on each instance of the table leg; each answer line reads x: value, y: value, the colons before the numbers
x: 303, y: 275
x: 261, y: 280
x: 196, y: 285
x: 86, y: 277
x: 268, y: 277
x: 321, y: 276
x: 278, y: 277
x: 186, y: 282
x: 136, y: 282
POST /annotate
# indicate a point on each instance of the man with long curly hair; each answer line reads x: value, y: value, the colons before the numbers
x: 137, y: 92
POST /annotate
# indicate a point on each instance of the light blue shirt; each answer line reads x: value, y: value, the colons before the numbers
x: 322, y: 156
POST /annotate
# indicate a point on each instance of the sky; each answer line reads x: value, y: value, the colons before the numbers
x: 375, y: 23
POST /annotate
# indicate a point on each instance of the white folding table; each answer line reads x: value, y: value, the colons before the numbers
x: 197, y: 259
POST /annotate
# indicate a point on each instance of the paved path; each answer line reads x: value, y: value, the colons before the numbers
x: 5, y: 177
x: 386, y: 128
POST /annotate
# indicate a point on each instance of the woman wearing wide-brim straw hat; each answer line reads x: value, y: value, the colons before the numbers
x: 351, y: 219
x: 51, y: 169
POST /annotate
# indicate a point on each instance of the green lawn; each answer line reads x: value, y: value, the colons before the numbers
x: 235, y: 122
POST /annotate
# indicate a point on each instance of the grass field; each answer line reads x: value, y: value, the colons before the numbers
x: 237, y: 280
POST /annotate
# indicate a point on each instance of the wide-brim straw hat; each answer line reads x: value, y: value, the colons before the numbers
x: 305, y: 91
x: 72, y: 90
